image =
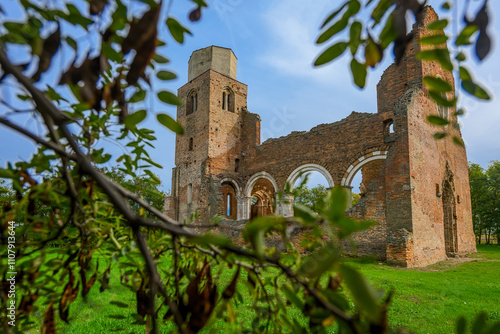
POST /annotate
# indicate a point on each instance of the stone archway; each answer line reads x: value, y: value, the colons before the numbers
x: 292, y: 178
x: 263, y: 186
x: 356, y: 166
x: 449, y: 214
x: 230, y: 195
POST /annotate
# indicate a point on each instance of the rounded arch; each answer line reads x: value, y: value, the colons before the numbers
x: 228, y: 99
x: 192, y: 101
x: 360, y: 162
x: 255, y: 177
x: 309, y: 168
x: 233, y: 183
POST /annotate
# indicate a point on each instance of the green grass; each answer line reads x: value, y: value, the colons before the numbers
x: 427, y: 300
x: 431, y: 301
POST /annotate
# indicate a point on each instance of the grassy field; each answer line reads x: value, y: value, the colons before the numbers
x: 426, y: 300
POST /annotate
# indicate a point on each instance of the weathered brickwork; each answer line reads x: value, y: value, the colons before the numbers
x: 414, y: 187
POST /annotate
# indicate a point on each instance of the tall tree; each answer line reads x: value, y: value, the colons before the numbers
x: 485, y: 189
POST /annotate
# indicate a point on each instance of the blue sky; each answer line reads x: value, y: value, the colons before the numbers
x: 274, y: 44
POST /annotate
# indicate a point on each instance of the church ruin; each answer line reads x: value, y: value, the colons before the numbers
x: 416, y: 187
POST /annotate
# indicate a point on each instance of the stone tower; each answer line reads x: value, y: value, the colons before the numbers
x: 212, y: 115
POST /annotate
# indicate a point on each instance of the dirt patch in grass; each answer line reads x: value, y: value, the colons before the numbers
x: 455, y: 261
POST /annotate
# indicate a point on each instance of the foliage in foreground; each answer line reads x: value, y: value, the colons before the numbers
x: 100, y: 97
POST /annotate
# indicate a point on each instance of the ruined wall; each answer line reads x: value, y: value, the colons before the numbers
x: 415, y: 187
x: 329, y: 145
x: 428, y: 160
x: 371, y: 206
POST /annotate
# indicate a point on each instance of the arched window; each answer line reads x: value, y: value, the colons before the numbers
x: 228, y: 100
x: 388, y: 127
x: 192, y: 103
x: 229, y: 200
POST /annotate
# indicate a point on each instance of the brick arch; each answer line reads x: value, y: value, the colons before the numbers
x: 310, y: 167
x: 362, y: 160
x: 233, y: 183
x: 257, y: 176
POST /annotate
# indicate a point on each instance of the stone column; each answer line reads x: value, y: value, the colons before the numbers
x: 284, y: 206
x: 348, y: 190
x: 243, y: 207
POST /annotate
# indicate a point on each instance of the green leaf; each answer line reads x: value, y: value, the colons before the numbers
x: 440, y: 55
x: 458, y: 141
x: 333, y: 15
x: 331, y: 53
x: 71, y: 42
x: 436, y: 120
x: 75, y: 17
x: 6, y: 173
x: 138, y: 96
x: 358, y: 73
x: 441, y: 99
x: 211, y: 239
x: 464, y: 74
x: 110, y: 53
x: 355, y: 36
x: 177, y: 30
x: 166, y: 75
x: 53, y: 95
x: 438, y: 25
x: 160, y: 59
x: 379, y: 11
x: 336, y: 204
x: 373, y: 53
x: 433, y: 39
x: 133, y: 119
x: 303, y: 212
x: 99, y: 158
x: 389, y: 33
x: 465, y: 35
x: 153, y: 177
x: 256, y: 229
x: 471, y: 87
x: 437, y: 84
x: 439, y: 135
x: 460, y: 56
x: 319, y: 262
x: 347, y: 226
x: 170, y: 123
x: 169, y: 98
x: 364, y: 295
x: 292, y: 297
x: 476, y: 90
x: 136, y: 281
x: 353, y: 7
x: 332, y: 31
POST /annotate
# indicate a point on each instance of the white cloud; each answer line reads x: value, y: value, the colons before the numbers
x: 293, y: 27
